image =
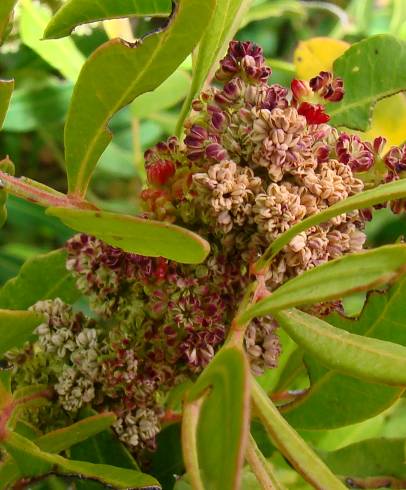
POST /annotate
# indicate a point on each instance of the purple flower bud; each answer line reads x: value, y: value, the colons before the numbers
x: 216, y: 152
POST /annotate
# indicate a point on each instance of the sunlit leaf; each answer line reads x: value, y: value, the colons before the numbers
x: 219, y: 436
x: 16, y: 327
x: 77, y: 12
x: 42, y: 277
x: 370, y: 71
x: 356, y: 355
x: 62, y: 55
x: 133, y: 70
x: 137, y: 235
x: 340, y: 277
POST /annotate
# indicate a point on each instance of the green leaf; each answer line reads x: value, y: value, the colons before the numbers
x: 223, y: 420
x: 6, y: 11
x: 291, y: 445
x: 137, y: 235
x: 103, y: 448
x: 62, y: 439
x: 371, y: 71
x: 223, y: 26
x: 57, y: 441
x: 16, y: 327
x: 327, y: 403
x: 133, y: 70
x: 362, y: 357
x: 168, y: 94
x: 34, y: 462
x: 369, y: 458
x: 77, y: 12
x: 33, y: 108
x: 6, y: 90
x: 42, y: 277
x: 382, y: 193
x: 62, y: 55
x: 340, y: 277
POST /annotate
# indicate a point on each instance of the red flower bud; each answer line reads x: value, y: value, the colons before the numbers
x: 314, y: 113
x: 300, y: 90
x: 160, y: 172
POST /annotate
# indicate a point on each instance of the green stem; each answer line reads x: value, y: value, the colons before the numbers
x: 190, y: 419
x: 262, y: 468
x: 291, y: 445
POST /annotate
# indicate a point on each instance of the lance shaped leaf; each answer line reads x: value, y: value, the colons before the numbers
x: 132, y: 71
x: 362, y: 357
x: 340, y: 277
x: 16, y: 327
x: 6, y: 10
x: 42, y: 277
x: 62, y: 55
x: 6, y: 90
x: 57, y: 441
x: 77, y: 12
x: 291, y: 445
x: 137, y: 235
x: 224, y: 24
x: 328, y: 404
x: 217, y: 431
x: 32, y: 461
x: 382, y: 193
x: 370, y: 72
x: 103, y: 448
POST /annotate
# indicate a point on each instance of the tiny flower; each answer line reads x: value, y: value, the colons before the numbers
x: 395, y: 159
x: 314, y: 113
x: 354, y: 152
x: 328, y: 87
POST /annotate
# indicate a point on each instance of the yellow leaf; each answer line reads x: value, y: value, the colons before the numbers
x: 316, y: 55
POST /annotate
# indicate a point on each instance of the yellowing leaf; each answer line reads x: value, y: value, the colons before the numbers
x: 317, y: 54
x: 389, y: 120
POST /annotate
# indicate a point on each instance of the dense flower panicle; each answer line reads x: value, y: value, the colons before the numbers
x: 254, y: 162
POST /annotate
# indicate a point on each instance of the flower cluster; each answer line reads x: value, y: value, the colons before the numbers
x: 256, y: 159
